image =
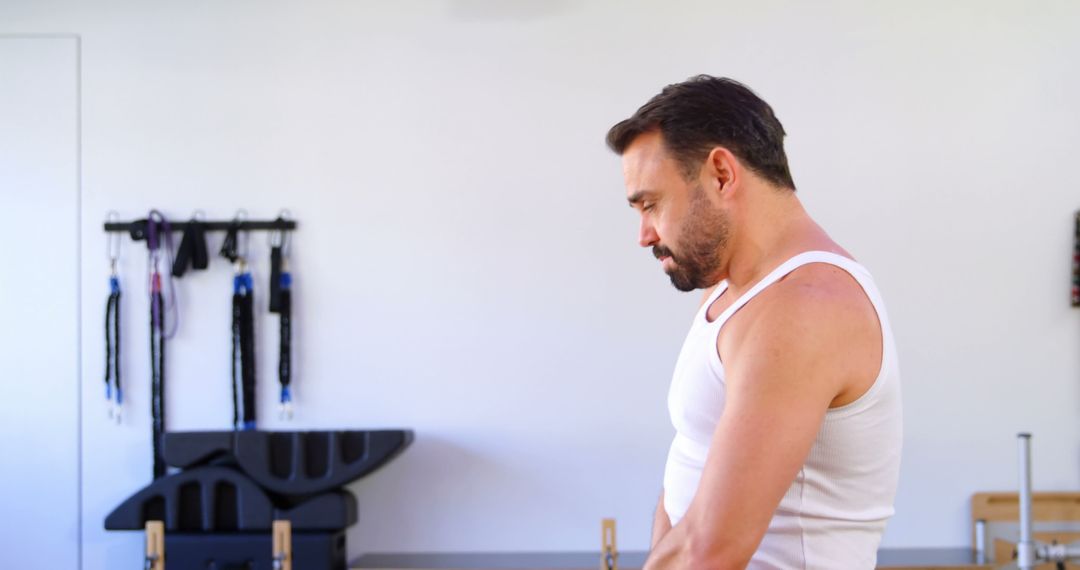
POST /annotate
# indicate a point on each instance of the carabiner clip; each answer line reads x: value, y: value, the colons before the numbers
x: 112, y: 246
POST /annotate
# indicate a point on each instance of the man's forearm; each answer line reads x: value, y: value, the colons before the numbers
x: 681, y: 548
x: 661, y: 523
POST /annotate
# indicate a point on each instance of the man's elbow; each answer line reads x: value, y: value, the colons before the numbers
x: 710, y: 550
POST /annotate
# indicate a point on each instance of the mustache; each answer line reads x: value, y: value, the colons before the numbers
x: 659, y: 251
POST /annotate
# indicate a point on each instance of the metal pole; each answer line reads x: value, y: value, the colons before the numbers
x: 1025, y: 549
x: 980, y: 541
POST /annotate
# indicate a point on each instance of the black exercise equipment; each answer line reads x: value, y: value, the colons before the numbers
x: 235, y: 486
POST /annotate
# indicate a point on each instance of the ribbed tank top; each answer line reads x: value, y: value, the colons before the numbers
x: 835, y: 511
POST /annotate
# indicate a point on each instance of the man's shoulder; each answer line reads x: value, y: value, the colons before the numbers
x: 818, y: 306
x: 821, y: 285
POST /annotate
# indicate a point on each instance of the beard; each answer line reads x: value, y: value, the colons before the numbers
x: 703, y: 238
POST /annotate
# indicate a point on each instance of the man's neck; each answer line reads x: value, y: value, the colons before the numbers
x: 772, y: 230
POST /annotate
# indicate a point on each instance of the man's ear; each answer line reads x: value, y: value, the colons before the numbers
x: 722, y: 170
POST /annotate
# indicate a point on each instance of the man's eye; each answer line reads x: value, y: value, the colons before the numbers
x: 647, y: 207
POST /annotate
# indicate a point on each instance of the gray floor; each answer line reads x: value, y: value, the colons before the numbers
x: 910, y: 557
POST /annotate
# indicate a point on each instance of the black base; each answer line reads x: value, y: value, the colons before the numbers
x: 243, y: 551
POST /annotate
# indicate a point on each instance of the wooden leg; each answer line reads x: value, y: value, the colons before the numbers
x: 282, y: 555
x: 155, y: 545
x: 609, y: 557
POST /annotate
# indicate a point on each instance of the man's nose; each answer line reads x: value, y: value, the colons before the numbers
x: 647, y: 234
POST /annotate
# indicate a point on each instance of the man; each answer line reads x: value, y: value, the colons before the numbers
x: 786, y: 396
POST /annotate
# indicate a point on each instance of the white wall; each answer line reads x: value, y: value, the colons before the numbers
x: 39, y: 293
x: 466, y: 263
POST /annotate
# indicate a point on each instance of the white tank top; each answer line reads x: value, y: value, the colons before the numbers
x: 834, y: 513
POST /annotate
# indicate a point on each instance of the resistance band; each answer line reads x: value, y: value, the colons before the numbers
x: 243, y: 332
x: 162, y: 326
x: 1076, y: 264
x: 281, y: 303
x: 114, y: 396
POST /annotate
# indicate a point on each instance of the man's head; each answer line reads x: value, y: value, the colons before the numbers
x: 687, y: 154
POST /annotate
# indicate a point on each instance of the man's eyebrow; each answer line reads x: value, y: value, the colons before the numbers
x: 639, y: 196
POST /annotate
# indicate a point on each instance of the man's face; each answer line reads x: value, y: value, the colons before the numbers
x: 686, y: 230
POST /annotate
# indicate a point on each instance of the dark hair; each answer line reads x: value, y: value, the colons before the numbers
x: 703, y: 112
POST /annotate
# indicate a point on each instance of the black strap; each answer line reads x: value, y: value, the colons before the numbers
x: 229, y: 247
x: 192, y: 249
x: 200, y: 259
x: 275, y: 279
x: 184, y: 254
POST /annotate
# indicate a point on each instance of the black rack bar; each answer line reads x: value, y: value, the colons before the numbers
x: 137, y: 228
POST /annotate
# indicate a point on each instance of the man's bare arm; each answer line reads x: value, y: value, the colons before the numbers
x: 661, y: 523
